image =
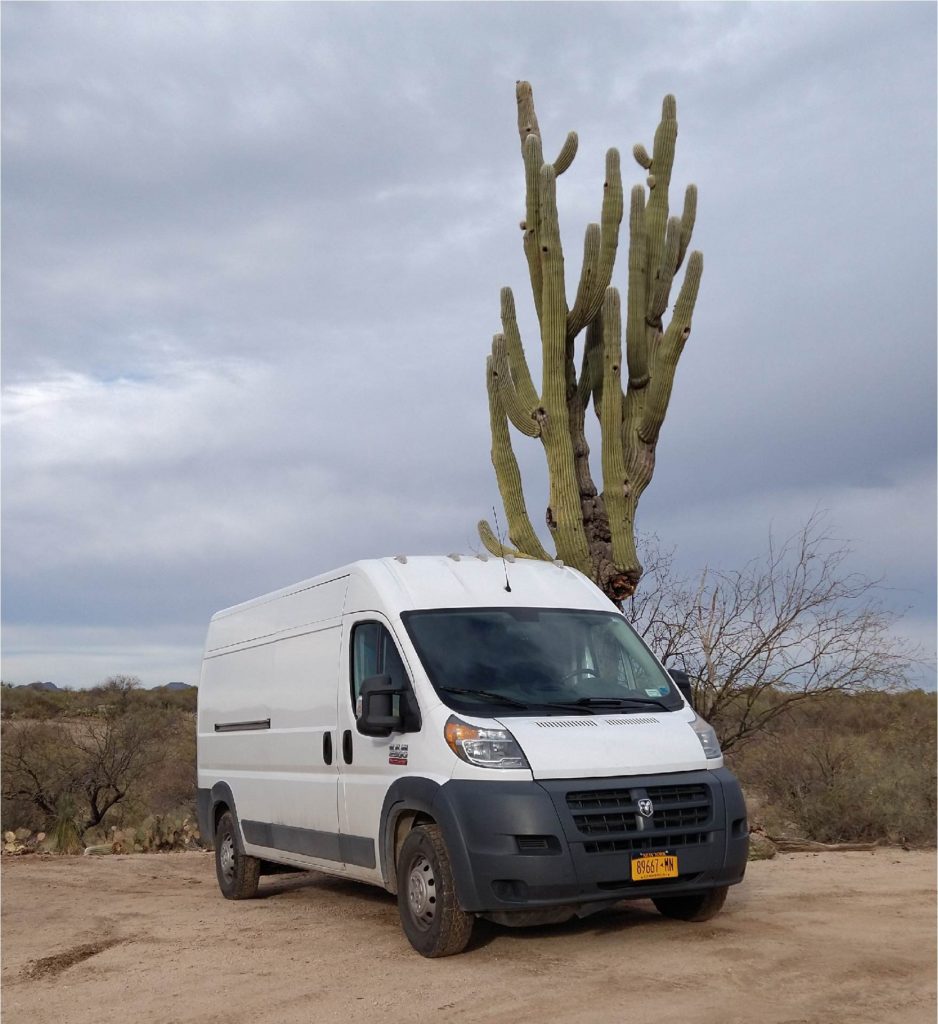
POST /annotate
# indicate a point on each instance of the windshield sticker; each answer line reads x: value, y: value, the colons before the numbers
x: 658, y: 691
x: 397, y: 753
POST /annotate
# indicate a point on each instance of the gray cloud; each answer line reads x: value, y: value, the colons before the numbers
x: 252, y: 256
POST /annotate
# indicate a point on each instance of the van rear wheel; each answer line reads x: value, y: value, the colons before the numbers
x: 699, y: 906
x: 426, y: 896
x: 237, y: 873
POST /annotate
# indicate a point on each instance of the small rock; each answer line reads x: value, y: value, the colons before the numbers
x: 761, y: 847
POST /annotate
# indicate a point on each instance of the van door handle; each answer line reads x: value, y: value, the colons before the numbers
x: 327, y: 747
x: 347, y: 746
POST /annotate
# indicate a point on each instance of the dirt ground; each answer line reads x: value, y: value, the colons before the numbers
x: 806, y: 939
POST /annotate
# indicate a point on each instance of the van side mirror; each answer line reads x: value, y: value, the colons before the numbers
x: 682, y: 681
x: 377, y: 717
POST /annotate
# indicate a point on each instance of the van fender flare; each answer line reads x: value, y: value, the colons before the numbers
x: 416, y: 793
x: 208, y: 800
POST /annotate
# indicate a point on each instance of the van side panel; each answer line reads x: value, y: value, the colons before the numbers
x: 269, y: 683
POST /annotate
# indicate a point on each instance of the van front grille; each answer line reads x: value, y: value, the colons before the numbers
x: 647, y: 842
x: 615, y: 811
x: 600, y: 798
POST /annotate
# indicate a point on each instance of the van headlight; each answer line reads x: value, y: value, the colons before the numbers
x: 487, y: 748
x: 707, y: 736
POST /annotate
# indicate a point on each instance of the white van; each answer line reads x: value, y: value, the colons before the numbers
x: 483, y: 739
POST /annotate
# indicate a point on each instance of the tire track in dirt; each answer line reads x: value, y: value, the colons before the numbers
x: 50, y: 966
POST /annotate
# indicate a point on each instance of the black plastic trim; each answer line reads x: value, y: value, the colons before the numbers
x: 203, y: 810
x: 206, y: 802
x: 411, y: 793
x: 481, y: 823
x: 250, y: 726
x: 309, y: 842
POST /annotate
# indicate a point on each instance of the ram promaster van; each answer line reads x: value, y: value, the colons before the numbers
x: 482, y: 739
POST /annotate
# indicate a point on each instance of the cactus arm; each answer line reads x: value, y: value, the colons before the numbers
x: 553, y: 299
x: 566, y: 154
x: 590, y: 381
x: 533, y: 161
x: 610, y: 220
x: 521, y: 415
x: 662, y: 289
x: 617, y: 491
x: 641, y: 156
x: 669, y: 350
x: 592, y: 509
x: 527, y: 125
x: 660, y: 178
x: 517, y: 363
x: 610, y: 413
x: 688, y: 217
x: 527, y: 118
x: 577, y: 318
x: 636, y: 341
x: 508, y: 476
x: 563, y: 514
x: 493, y: 545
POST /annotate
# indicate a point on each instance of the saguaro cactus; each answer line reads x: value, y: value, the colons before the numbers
x: 592, y: 531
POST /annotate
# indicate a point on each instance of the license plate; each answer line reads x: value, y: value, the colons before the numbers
x: 648, y: 866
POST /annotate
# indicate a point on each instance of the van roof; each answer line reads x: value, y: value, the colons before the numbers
x: 407, y: 582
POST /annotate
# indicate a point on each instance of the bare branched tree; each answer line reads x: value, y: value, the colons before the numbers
x: 793, y: 626
x: 89, y: 765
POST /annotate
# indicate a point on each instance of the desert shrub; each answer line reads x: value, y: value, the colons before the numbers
x: 107, y: 769
x: 850, y: 768
x: 65, y: 837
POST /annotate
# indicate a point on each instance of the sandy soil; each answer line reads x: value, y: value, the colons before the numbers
x: 806, y: 939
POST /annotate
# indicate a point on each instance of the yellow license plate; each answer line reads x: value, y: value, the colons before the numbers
x: 654, y: 865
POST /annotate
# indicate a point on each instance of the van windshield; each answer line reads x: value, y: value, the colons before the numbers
x: 510, y: 661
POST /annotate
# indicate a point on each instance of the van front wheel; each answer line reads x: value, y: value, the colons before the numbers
x: 237, y: 873
x: 697, y: 907
x: 426, y: 896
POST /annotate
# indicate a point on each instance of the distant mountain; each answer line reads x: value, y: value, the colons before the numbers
x: 178, y: 686
x: 39, y: 686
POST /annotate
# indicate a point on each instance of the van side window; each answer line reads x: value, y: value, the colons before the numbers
x: 374, y: 653
x: 365, y: 640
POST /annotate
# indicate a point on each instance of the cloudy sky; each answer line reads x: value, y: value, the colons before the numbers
x: 251, y: 264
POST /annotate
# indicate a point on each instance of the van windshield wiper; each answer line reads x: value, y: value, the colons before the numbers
x: 609, y: 702
x: 495, y: 698
x: 501, y: 698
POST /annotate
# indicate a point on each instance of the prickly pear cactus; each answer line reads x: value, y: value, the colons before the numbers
x: 591, y: 530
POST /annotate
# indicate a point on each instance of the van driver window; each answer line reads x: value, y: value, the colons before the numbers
x: 374, y: 653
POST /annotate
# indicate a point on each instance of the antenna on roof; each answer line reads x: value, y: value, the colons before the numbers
x: 498, y: 534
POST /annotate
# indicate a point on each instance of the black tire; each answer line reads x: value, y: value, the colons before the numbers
x: 237, y: 873
x: 699, y: 906
x: 426, y: 896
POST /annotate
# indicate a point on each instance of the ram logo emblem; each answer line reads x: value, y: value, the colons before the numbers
x: 646, y: 808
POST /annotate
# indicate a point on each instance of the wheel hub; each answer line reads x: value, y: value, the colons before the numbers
x: 421, y: 891
x: 226, y: 857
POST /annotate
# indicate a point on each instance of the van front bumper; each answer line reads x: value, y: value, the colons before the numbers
x: 518, y: 846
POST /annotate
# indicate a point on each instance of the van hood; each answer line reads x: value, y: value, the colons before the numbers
x: 599, y: 746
